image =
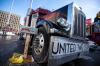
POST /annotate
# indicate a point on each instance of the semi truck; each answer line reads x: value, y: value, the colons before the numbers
x: 96, y: 29
x: 57, y: 37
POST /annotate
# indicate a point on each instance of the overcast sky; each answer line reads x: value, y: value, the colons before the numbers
x: 89, y: 7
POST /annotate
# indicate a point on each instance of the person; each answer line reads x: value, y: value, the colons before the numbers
x: 21, y: 36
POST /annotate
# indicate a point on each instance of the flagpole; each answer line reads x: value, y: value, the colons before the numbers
x: 28, y: 38
x: 8, y: 20
x: 30, y: 5
x: 10, y: 12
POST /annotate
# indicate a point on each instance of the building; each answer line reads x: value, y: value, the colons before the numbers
x: 14, y: 22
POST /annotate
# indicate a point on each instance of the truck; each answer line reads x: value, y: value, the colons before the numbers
x: 96, y: 29
x: 57, y: 37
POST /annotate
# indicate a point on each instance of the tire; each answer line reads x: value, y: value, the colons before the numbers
x: 41, y: 40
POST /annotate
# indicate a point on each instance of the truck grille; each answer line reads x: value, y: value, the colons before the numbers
x: 79, y: 23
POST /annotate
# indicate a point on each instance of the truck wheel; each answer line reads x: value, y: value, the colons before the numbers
x: 40, y: 46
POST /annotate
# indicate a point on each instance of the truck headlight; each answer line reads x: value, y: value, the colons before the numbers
x: 61, y: 21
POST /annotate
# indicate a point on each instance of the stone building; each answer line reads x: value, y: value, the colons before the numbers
x: 14, y: 22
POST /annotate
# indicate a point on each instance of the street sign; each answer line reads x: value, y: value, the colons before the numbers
x: 26, y: 29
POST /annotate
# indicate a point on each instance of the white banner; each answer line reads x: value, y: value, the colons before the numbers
x: 61, y: 45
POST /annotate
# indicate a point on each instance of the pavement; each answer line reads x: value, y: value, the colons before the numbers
x: 93, y: 60
x: 96, y: 57
x: 8, y: 46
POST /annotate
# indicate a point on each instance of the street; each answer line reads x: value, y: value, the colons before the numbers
x: 11, y: 44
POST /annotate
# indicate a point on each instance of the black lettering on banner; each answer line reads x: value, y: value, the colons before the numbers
x: 68, y: 47
x: 55, y: 52
x: 80, y: 46
x: 61, y: 47
x: 72, y: 47
x: 65, y: 47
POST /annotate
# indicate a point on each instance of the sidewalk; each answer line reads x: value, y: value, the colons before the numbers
x: 8, y: 37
